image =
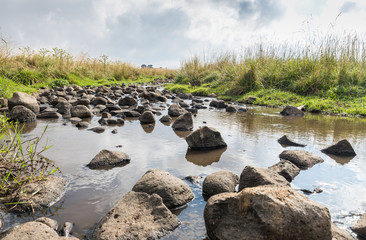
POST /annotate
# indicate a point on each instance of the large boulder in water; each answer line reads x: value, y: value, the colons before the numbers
x: 23, y: 99
x: 174, y: 191
x: 127, y: 101
x: 22, y: 114
x: 286, y: 169
x: 266, y: 212
x: 205, y: 138
x: 147, y: 117
x: 81, y: 111
x: 175, y: 110
x: 183, y: 122
x: 136, y: 215
x: 218, y: 103
x: 219, y: 182
x: 359, y: 227
x: 253, y: 177
x: 108, y: 159
x: 341, y: 148
x: 301, y: 158
x: 291, y: 111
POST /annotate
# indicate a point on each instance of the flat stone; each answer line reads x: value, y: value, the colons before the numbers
x: 301, y: 158
x: 108, y: 159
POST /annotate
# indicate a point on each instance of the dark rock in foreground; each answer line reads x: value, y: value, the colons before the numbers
x: 108, y: 159
x: 147, y: 117
x: 136, y: 216
x: 80, y: 111
x: 205, y: 138
x: 174, y: 191
x: 287, y: 141
x: 22, y: 114
x: 341, y: 148
x: 302, y: 159
x: 291, y: 111
x: 286, y: 169
x: 175, y: 110
x: 266, y: 212
x: 253, y: 177
x: 219, y: 182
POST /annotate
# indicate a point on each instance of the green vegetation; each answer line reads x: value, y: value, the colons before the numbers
x: 328, y: 75
x: 27, y: 70
x: 21, y: 162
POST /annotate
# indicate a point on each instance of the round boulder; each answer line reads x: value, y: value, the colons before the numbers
x: 22, y: 114
x: 80, y: 111
x: 291, y: 111
x: 147, y: 117
x: 127, y: 101
x: 219, y: 182
x: 108, y: 159
x: 175, y: 110
x: 174, y: 191
x: 205, y: 138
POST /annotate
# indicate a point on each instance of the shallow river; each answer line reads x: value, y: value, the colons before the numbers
x: 251, y: 138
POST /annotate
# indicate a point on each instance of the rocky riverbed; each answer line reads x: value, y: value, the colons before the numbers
x: 90, y: 126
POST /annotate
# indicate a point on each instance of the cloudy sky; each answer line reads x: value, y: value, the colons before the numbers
x: 165, y: 32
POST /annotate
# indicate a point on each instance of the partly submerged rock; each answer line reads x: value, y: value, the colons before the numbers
x: 127, y: 101
x: 175, y: 110
x: 253, y: 177
x: 287, y: 141
x: 174, y: 191
x: 359, y: 227
x: 291, y: 111
x: 339, y: 234
x: 266, y: 212
x: 301, y: 158
x: 183, y: 122
x: 286, y: 169
x: 341, y: 148
x: 165, y: 119
x: 219, y: 182
x: 109, y: 159
x: 147, y: 117
x: 205, y: 138
x: 136, y: 215
x: 80, y: 111
x: 30, y: 231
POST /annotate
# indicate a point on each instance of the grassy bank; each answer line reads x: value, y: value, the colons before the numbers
x: 27, y: 70
x: 328, y: 75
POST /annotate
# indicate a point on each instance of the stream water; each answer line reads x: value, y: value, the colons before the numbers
x: 251, y: 138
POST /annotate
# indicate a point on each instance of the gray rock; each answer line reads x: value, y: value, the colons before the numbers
x: 136, y: 215
x: 3, y: 103
x: 75, y: 119
x: 49, y: 222
x: 253, y: 177
x: 22, y: 114
x: 108, y: 159
x: 97, y: 129
x: 165, y: 119
x: 30, y: 231
x: 359, y: 227
x: 80, y: 111
x: 205, y: 138
x: 106, y: 115
x: 82, y: 124
x: 99, y: 101
x: 219, y: 182
x: 83, y: 101
x: 66, y: 229
x: 49, y: 115
x: 64, y: 108
x: 287, y: 141
x: 183, y: 122
x: 175, y: 110
x: 291, y: 111
x: 172, y: 190
x: 266, y: 212
x: 286, y: 169
x: 341, y: 148
x: 23, y: 99
x: 111, y: 121
x: 40, y: 194
x: 230, y: 108
x: 218, y: 104
x: 147, y: 117
x: 127, y: 101
x: 131, y: 114
x: 302, y: 159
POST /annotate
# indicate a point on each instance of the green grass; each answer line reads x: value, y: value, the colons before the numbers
x: 325, y: 75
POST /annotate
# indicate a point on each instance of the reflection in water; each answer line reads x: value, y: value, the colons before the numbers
x: 204, y: 158
x: 340, y: 159
x: 28, y: 127
x: 182, y: 134
x: 148, y: 128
